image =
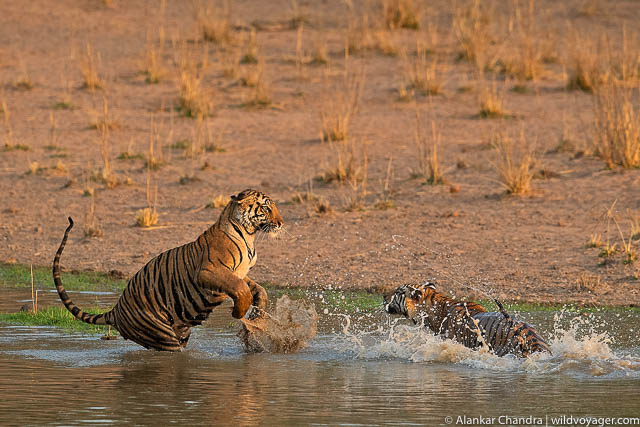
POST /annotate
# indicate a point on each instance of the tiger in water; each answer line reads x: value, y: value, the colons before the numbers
x: 465, y: 322
x: 179, y: 288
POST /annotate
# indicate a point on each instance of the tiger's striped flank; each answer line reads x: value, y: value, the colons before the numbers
x: 179, y: 288
x: 465, y: 322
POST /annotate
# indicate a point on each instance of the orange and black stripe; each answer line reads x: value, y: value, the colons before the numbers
x: 466, y: 322
x: 164, y: 299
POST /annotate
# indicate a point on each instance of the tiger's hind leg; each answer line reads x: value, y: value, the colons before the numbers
x: 182, y: 334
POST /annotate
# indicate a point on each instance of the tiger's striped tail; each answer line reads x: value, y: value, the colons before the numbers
x: 99, y: 319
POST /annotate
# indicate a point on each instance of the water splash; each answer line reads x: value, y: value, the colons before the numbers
x: 579, y: 349
x: 287, y: 329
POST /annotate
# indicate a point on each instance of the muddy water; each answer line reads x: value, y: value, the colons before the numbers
x: 357, y: 371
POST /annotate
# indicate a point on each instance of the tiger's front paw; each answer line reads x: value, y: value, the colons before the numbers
x: 242, y: 301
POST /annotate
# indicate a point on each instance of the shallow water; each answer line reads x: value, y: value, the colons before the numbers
x: 357, y: 371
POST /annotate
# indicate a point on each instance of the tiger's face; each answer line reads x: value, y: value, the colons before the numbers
x: 257, y: 212
x: 403, y: 300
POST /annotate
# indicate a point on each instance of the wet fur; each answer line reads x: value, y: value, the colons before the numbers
x: 465, y: 322
x: 179, y: 288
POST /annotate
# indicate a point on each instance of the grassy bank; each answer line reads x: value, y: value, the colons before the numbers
x: 336, y: 300
x: 57, y: 316
x: 19, y: 276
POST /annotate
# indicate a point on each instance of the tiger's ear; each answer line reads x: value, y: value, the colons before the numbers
x: 430, y: 285
x: 416, y: 293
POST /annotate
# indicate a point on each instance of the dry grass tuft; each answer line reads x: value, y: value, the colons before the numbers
x: 427, y: 152
x: 89, y: 69
x: 401, y: 14
x: 260, y: 95
x: 195, y: 99
x: 102, y: 126
x: 152, y: 61
x: 357, y: 180
x: 9, y: 142
x: 24, y: 82
x: 346, y: 168
x: 421, y: 73
x: 586, y: 68
x: 146, y: 217
x: 595, y: 241
x: 471, y: 24
x: 92, y: 227
x: 491, y: 102
x: 229, y: 61
x: 515, y: 163
x: 527, y: 48
x: 617, y: 127
x: 589, y: 282
x: 340, y: 105
x: 155, y: 156
x: 214, y: 21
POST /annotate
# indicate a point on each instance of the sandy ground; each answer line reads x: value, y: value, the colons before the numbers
x: 472, y: 241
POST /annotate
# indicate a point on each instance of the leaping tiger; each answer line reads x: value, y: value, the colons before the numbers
x: 179, y: 288
x: 465, y: 322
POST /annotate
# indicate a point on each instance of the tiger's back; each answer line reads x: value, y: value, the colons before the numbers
x: 466, y: 322
x: 179, y: 288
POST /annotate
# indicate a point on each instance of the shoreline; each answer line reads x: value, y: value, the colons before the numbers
x: 19, y: 276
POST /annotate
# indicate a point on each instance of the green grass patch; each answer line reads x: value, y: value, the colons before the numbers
x: 350, y: 301
x: 19, y: 276
x: 125, y: 155
x: 64, y: 105
x: 527, y: 307
x: 56, y: 316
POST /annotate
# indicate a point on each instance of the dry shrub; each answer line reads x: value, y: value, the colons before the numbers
x: 586, y: 69
x: 23, y: 82
x: 229, y: 61
x: 589, y: 8
x: 320, y: 205
x: 526, y: 47
x: 8, y: 139
x: 195, y: 99
x: 155, y: 156
x: 471, y: 23
x: 515, y: 163
x: 401, y: 14
x: 251, y: 52
x: 356, y: 175
x: 625, y: 62
x: 427, y: 151
x: 421, y: 73
x: 260, y: 95
x: 491, y: 101
x: 214, y: 20
x: 146, y: 217
x: 103, y: 127
x: 89, y: 68
x: 340, y: 104
x: 319, y: 49
x: 152, y: 60
x: 617, y: 127
x: 595, y: 63
x: 589, y: 282
x: 92, y: 227
x: 347, y: 163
